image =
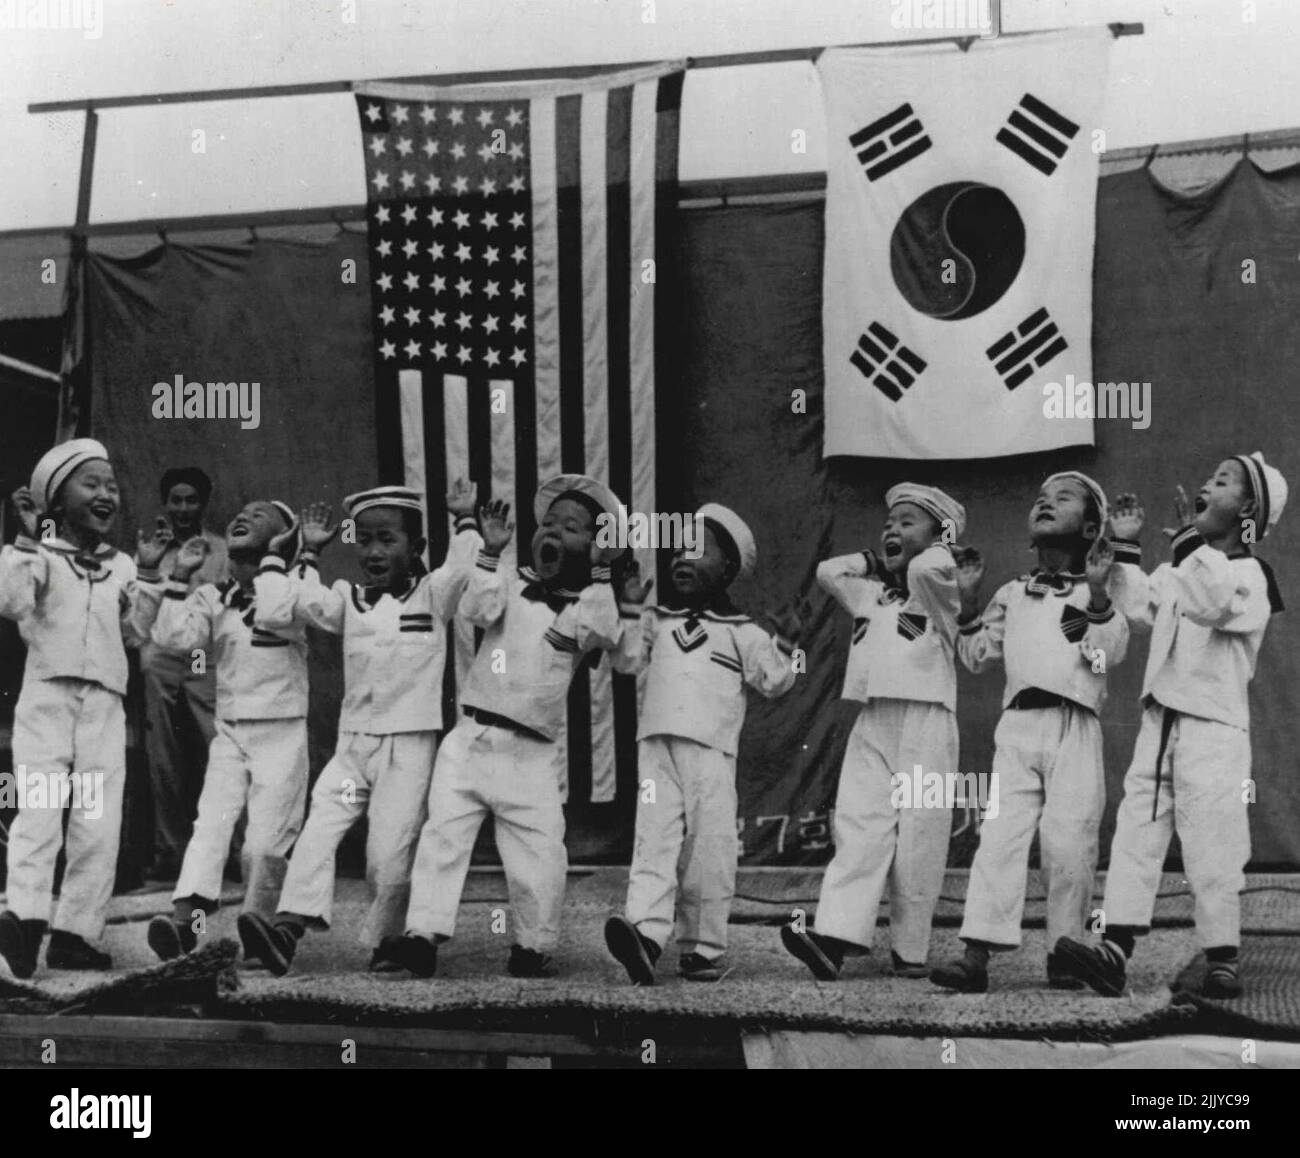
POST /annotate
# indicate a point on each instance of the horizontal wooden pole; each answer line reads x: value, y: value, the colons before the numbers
x: 730, y: 60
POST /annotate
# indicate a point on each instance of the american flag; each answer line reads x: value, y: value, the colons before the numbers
x: 519, y: 243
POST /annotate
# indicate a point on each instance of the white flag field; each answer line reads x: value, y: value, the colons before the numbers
x: 957, y: 281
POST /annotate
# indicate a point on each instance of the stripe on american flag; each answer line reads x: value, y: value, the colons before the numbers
x: 515, y: 336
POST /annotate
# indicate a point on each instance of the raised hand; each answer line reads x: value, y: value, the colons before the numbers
x: 1097, y: 567
x: 790, y: 621
x: 462, y: 497
x: 150, y: 548
x: 190, y: 558
x: 633, y: 590
x: 496, y: 526
x: 318, y: 526
x: 1183, y: 514
x: 29, y: 516
x: 1127, y: 517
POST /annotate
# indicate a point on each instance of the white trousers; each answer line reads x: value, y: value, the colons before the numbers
x: 684, y: 859
x: 876, y: 842
x: 386, y: 780
x: 1050, y: 779
x: 70, y: 738
x: 261, y: 764
x: 482, y: 769
x: 1202, y: 794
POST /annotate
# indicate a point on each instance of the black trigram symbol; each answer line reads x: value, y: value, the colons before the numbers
x: 889, y: 142
x: 1041, y: 141
x: 887, y: 364
x: 1013, y: 355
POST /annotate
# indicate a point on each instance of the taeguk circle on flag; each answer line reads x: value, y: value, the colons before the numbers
x: 957, y: 249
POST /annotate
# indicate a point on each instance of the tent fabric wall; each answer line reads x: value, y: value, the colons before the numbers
x: 1170, y: 307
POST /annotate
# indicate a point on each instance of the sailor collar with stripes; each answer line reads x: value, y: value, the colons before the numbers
x: 712, y: 615
x: 88, y: 565
x: 365, y: 598
x: 1042, y: 583
x: 557, y: 598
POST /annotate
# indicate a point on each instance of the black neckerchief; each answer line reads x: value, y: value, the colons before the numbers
x: 399, y: 591
x: 1041, y: 582
x: 556, y: 598
x: 235, y: 597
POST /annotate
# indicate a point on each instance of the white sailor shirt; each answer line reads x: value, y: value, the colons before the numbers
x: 394, y: 642
x: 903, y: 642
x: 1045, y: 632
x: 261, y: 672
x: 77, y: 612
x: 534, y: 640
x: 1207, y: 614
x: 697, y: 665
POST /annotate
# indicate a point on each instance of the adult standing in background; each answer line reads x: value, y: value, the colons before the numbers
x: 179, y: 699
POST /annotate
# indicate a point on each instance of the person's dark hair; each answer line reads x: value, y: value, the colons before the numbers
x: 412, y: 523
x: 187, y: 476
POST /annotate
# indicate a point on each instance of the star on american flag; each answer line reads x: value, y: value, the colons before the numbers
x: 449, y: 184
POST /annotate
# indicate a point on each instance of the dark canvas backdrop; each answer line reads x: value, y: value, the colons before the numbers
x: 1170, y: 307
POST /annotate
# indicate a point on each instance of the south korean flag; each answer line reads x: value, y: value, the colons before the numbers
x: 957, y: 280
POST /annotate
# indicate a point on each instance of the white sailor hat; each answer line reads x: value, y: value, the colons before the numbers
x: 1091, y: 486
x: 1268, y: 487
x: 741, y: 545
x: 287, y: 511
x: 594, y: 495
x: 401, y: 497
x: 931, y: 499
x: 56, y: 467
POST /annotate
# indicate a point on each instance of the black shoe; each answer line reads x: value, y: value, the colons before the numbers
x: 68, y: 951
x: 380, y: 962
x: 821, y: 954
x: 1102, y: 968
x: 1221, y: 980
x: 962, y: 975
x: 417, y: 955
x: 170, y: 939
x: 694, y: 967
x: 529, y: 963
x: 20, y: 944
x: 272, y: 945
x: 1058, y: 977
x: 912, y: 970
x: 635, y: 952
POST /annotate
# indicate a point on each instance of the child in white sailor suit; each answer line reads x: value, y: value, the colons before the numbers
x: 699, y: 655
x: 500, y: 758
x: 258, y: 757
x: 78, y: 604
x: 901, y: 670
x: 394, y: 647
x: 1058, y: 636
x: 1207, y: 612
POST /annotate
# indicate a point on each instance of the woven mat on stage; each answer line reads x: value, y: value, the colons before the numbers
x: 1270, y: 1002
x: 766, y: 988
